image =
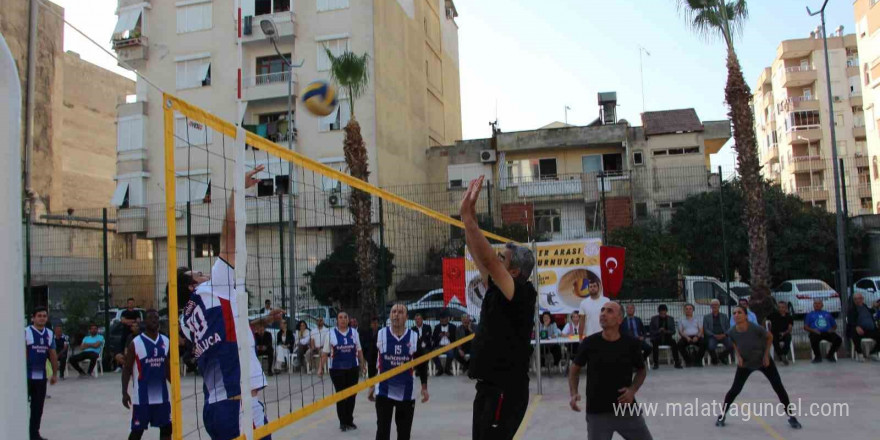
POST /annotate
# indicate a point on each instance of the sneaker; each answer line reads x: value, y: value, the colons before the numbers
x: 793, y: 422
x: 118, y: 370
x: 831, y: 358
x: 352, y: 426
x: 719, y: 422
x: 343, y: 427
x: 817, y: 361
x: 785, y: 360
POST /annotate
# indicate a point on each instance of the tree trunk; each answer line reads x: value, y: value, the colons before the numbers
x: 738, y: 96
x: 360, y: 206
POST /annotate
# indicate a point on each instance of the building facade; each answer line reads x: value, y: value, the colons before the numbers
x: 215, y: 55
x: 867, y: 18
x: 73, y: 154
x: 556, y: 181
x: 792, y: 121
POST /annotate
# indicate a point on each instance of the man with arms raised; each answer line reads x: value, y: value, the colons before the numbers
x: 500, y: 351
x: 611, y: 359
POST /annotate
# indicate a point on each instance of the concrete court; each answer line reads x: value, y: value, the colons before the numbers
x: 92, y: 409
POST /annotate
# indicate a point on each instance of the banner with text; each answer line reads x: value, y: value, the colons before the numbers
x: 565, y: 269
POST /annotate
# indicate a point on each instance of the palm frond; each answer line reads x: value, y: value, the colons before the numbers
x: 350, y: 71
x: 712, y: 19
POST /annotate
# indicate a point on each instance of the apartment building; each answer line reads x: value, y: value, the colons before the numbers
x: 792, y: 121
x: 555, y: 181
x: 867, y: 19
x: 73, y: 152
x: 193, y: 49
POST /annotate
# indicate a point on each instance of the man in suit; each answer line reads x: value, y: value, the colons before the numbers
x: 444, y: 334
x: 715, y: 327
x: 633, y: 326
x: 662, y: 331
x: 424, y: 335
x: 264, y: 346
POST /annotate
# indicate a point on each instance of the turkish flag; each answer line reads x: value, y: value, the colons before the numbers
x: 453, y: 280
x: 611, y: 260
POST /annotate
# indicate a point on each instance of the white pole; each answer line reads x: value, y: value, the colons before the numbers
x: 242, y: 326
x: 13, y: 399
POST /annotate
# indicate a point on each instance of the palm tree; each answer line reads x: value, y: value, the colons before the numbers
x: 350, y: 71
x: 711, y: 19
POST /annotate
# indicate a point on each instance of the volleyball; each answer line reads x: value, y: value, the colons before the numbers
x: 319, y: 98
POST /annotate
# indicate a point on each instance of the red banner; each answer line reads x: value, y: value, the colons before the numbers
x: 453, y: 281
x: 611, y: 259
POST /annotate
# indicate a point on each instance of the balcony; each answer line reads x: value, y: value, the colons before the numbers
x: 859, y: 132
x: 818, y: 192
x: 285, y: 24
x: 797, y: 103
x: 267, y: 86
x: 804, y: 133
x: 801, y: 164
x: 772, y: 155
x: 798, y: 76
x: 132, y: 51
x: 860, y: 160
x: 855, y: 100
x: 547, y: 188
x: 131, y: 220
x: 864, y: 191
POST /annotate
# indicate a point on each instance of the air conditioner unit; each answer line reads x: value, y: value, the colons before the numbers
x: 337, y: 200
x: 248, y: 27
x: 488, y: 156
x: 837, y: 99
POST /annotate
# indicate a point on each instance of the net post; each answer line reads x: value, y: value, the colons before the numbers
x: 171, y: 250
x: 242, y: 329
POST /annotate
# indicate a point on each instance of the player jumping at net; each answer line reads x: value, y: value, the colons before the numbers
x: 397, y: 345
x: 147, y: 360
x: 501, y: 349
x: 210, y: 324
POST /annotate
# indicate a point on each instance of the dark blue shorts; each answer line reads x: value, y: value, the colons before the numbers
x: 221, y: 418
x: 143, y: 416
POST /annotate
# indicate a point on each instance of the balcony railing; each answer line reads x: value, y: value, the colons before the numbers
x: 266, y: 79
x: 799, y: 69
x: 797, y: 99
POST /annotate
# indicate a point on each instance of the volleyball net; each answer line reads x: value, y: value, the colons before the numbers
x: 308, y: 238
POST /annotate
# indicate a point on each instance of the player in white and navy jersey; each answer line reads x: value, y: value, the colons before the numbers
x: 209, y: 322
x: 343, y: 349
x: 40, y: 344
x: 397, y: 345
x: 147, y: 361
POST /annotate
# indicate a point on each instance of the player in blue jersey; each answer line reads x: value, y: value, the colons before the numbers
x: 40, y: 346
x: 147, y: 359
x: 397, y: 345
x: 209, y: 322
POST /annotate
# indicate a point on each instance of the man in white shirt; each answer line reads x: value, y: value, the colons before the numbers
x: 591, y: 308
x: 690, y: 332
x: 319, y: 337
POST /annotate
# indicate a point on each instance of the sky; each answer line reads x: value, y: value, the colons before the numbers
x: 524, y: 61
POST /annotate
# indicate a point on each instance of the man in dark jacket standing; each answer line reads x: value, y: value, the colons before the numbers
x: 861, y: 325
x: 368, y: 345
x: 501, y: 350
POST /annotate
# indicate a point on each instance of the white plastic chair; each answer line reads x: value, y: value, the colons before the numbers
x: 867, y: 345
x: 99, y: 366
x: 668, y: 349
x: 824, y: 346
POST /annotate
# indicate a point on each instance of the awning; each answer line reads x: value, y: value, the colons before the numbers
x: 203, y: 71
x: 120, y: 193
x: 128, y: 20
x: 192, y: 188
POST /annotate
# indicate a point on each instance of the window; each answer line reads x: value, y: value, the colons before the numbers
x: 120, y: 196
x: 641, y: 210
x: 206, y: 246
x: 703, y: 292
x: 187, y: 132
x: 638, y: 159
x: 612, y: 163
x: 591, y: 216
x: 676, y: 151
x: 194, y: 16
x: 804, y: 119
x: 266, y: 187
x: 808, y: 94
x: 338, y: 118
x: 459, y: 176
x: 547, y: 169
x: 866, y: 203
x: 865, y: 284
x: 528, y: 170
x: 838, y: 119
x: 338, y: 164
x: 867, y: 74
x: 194, y: 73
x: 841, y: 148
x: 129, y: 25
x: 129, y: 133
x: 785, y: 287
x: 591, y: 164
x: 193, y: 188
x: 262, y: 7
x: 336, y: 46
x: 548, y: 221
x: 330, y: 5
x: 271, y: 69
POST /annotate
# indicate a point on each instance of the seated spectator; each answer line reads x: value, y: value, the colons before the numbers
x: 715, y: 327
x: 119, y: 358
x: 822, y: 327
x: 744, y: 303
x: 571, y: 327
x: 549, y: 330
x: 264, y: 345
x: 861, y: 325
x: 318, y: 337
x: 464, y: 350
x: 303, y: 339
x: 444, y: 334
x: 62, y: 346
x: 90, y: 350
x: 424, y: 334
x: 663, y: 333
x: 690, y: 338
x: 634, y: 327
x: 267, y: 308
x: 781, y: 325
x: 283, y: 347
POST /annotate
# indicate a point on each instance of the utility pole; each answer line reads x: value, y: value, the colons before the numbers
x: 642, y: 74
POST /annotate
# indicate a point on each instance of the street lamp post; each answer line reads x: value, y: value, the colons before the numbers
x: 269, y: 29
x: 841, y: 219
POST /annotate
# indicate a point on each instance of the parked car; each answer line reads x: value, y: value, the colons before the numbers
x: 431, y: 312
x: 869, y: 287
x: 433, y: 297
x: 326, y: 312
x: 799, y: 295
x: 696, y: 290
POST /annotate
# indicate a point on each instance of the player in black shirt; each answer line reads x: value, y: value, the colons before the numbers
x: 611, y: 358
x: 501, y: 349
